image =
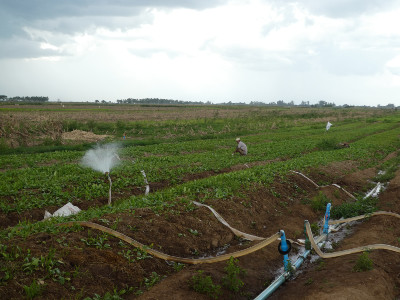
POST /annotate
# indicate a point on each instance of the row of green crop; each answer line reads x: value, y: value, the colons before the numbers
x: 56, y: 184
x: 150, y: 132
x: 361, y: 127
x: 367, y: 151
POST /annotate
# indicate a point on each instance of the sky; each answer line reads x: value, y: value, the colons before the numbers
x: 341, y: 51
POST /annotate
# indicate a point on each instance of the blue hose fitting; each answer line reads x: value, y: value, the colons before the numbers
x: 284, y: 248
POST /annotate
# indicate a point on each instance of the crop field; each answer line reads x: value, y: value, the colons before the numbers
x: 149, y: 169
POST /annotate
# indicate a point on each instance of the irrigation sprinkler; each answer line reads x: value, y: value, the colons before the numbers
x: 109, y: 191
x: 103, y: 158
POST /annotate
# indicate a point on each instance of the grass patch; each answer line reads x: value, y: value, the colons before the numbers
x: 360, y: 207
x: 328, y: 144
x: 319, y: 202
x: 204, y: 284
x: 363, y: 263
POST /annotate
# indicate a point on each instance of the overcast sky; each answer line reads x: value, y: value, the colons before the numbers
x: 341, y: 51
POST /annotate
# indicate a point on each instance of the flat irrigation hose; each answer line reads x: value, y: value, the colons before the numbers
x: 353, y: 250
x: 164, y: 256
x: 377, y: 213
x: 238, y: 233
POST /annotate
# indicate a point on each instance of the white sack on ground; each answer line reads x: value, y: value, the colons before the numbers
x: 67, y: 210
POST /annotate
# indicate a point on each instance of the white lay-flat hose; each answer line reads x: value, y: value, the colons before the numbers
x: 164, y: 256
x: 319, y: 186
x: 353, y: 250
x: 236, y: 232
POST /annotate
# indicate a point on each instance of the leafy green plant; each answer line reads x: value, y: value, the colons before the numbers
x: 32, y: 290
x: 10, y: 253
x: 204, y: 284
x: 320, y: 265
x: 363, y: 263
x: 98, y: 241
x: 309, y: 281
x: 129, y: 255
x: 314, y: 229
x: 328, y: 144
x: 352, y: 209
x: 231, y: 280
x: 193, y: 231
x: 152, y: 280
x: 319, y: 202
x: 177, y: 266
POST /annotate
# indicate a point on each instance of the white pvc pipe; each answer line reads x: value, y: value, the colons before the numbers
x: 109, y: 192
x: 306, y: 178
x: 147, y: 183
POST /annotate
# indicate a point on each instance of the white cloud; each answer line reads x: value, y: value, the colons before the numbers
x: 236, y: 50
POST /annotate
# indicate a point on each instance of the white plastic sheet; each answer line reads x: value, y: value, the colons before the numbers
x: 67, y: 210
x: 328, y: 125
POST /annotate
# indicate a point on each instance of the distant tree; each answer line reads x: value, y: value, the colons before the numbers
x: 3, y: 97
x: 280, y: 103
x: 322, y: 103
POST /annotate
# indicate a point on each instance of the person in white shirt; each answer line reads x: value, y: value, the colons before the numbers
x: 241, y: 147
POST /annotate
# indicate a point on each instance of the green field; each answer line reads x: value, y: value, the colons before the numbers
x: 185, y: 159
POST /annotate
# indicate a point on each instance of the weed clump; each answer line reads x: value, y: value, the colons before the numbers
x: 363, y: 263
x: 204, y: 284
x: 319, y: 202
x: 233, y: 271
x: 352, y: 209
x: 328, y: 144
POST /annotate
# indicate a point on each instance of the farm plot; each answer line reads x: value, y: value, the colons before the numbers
x: 257, y: 194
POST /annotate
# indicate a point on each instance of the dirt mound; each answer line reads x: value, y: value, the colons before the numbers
x: 80, y: 135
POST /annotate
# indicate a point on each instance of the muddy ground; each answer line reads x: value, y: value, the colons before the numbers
x: 187, y: 231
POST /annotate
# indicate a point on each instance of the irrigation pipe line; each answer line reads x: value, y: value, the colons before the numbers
x: 353, y: 250
x: 349, y: 251
x: 377, y: 213
x: 321, y: 186
x: 164, y: 256
x: 238, y: 233
x: 319, y: 240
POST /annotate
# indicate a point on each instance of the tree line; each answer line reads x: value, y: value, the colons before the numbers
x: 158, y: 101
x: 24, y: 99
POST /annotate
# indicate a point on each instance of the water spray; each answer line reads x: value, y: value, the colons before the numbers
x: 103, y: 158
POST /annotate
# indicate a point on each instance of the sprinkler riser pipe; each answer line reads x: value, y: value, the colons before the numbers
x: 327, y: 216
x: 109, y: 191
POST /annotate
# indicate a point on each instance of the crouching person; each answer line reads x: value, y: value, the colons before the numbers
x: 241, y: 147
